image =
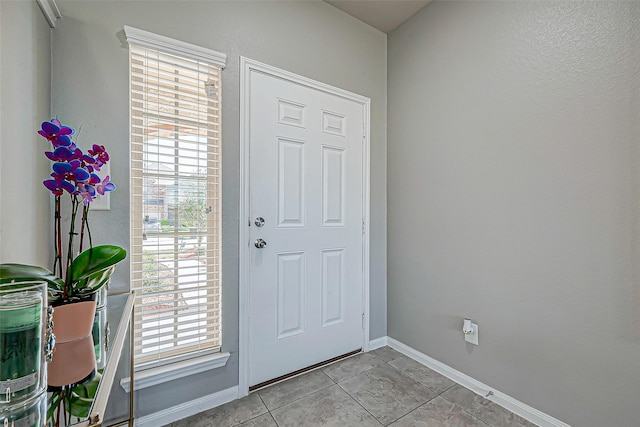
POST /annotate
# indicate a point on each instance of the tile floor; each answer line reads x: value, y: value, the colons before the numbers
x: 379, y: 388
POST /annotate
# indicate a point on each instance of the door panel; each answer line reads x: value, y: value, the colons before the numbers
x: 333, y: 191
x: 291, y: 180
x: 291, y: 308
x: 306, y: 285
x: 332, y: 287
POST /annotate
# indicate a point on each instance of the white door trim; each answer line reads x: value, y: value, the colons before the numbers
x: 246, y: 67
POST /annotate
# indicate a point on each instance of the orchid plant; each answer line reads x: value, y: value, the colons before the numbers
x: 73, y: 173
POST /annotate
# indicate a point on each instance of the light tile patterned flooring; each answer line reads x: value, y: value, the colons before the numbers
x: 379, y: 388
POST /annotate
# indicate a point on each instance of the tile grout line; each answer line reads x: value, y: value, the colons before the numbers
x: 472, y: 414
x: 359, y: 404
x: 300, y: 398
x: 387, y: 363
x: 354, y: 399
x: 257, y: 416
x: 478, y: 413
x: 436, y: 395
x: 396, y: 369
x: 324, y: 388
x: 273, y: 418
x: 414, y: 409
x: 268, y: 411
x: 465, y: 409
x: 419, y: 406
x: 439, y: 394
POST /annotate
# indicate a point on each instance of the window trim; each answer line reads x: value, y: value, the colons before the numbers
x: 175, y: 47
x: 156, y: 372
x: 161, y: 374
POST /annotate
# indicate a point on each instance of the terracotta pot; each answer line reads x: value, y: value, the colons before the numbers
x: 73, y: 320
x: 73, y: 362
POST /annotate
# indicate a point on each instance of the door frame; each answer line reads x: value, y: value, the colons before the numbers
x: 246, y: 67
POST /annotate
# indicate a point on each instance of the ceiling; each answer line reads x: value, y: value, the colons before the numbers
x: 385, y: 15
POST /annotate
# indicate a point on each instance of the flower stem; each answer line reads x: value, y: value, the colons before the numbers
x: 85, y: 211
x: 87, y: 223
x: 58, y: 415
x: 57, y: 262
x: 72, y: 226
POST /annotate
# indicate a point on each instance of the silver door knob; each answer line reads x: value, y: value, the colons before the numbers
x: 259, y: 221
x: 259, y: 243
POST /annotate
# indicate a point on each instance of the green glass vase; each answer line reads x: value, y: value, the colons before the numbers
x: 28, y: 413
x: 22, y: 370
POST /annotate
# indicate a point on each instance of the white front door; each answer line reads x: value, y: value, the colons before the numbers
x: 306, y: 194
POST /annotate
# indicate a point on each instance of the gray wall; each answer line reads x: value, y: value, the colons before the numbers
x: 25, y: 86
x: 514, y: 199
x: 90, y: 88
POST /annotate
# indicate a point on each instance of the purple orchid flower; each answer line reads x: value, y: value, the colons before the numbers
x: 88, y: 159
x: 90, y: 163
x: 73, y: 170
x: 87, y: 192
x: 60, y: 154
x: 53, y: 186
x: 101, y: 155
x: 62, y: 177
x: 73, y: 173
x: 94, y: 179
x: 57, y: 187
x: 105, y: 186
x: 56, y: 133
x: 57, y: 122
x: 79, y: 173
x: 61, y: 168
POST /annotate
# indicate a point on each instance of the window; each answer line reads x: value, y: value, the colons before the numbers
x: 175, y: 197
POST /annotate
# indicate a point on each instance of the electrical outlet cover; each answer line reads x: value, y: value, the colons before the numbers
x: 472, y: 338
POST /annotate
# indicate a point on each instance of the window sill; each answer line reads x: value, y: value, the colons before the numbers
x: 163, y: 374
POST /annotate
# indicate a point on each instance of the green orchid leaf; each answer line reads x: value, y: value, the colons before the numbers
x: 78, y: 406
x: 11, y: 275
x: 88, y: 389
x: 82, y: 397
x: 53, y: 402
x: 94, y: 260
x: 90, y: 271
x: 93, y: 282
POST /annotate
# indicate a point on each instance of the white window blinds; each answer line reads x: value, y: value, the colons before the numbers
x: 175, y: 202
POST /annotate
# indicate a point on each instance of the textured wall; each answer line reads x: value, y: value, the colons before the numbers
x: 90, y: 87
x: 25, y: 85
x: 514, y: 179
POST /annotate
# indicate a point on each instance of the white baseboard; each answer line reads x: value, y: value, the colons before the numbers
x: 178, y: 412
x: 377, y: 343
x: 525, y: 411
